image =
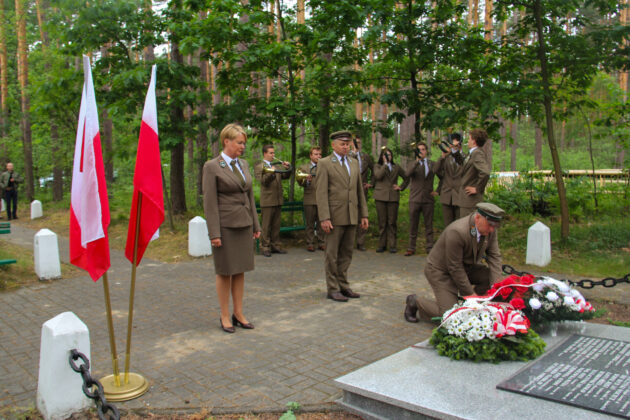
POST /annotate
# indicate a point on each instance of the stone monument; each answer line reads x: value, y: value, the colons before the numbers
x: 198, y: 240
x: 538, y: 245
x: 46, y: 254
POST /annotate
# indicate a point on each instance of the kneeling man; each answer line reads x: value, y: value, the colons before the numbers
x: 454, y: 266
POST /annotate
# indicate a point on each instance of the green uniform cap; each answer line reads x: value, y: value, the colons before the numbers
x: 490, y: 211
x: 342, y: 135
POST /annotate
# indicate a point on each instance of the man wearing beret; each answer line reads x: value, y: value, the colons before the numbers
x: 454, y: 266
x: 340, y: 206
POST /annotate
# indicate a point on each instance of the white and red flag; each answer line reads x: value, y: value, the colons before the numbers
x: 147, y: 181
x: 89, y: 206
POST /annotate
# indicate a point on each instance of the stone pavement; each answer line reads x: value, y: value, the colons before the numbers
x: 302, y: 341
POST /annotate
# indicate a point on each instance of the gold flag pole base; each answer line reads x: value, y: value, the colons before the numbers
x: 136, y: 387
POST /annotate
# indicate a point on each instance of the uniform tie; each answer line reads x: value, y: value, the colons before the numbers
x: 237, y: 171
x: 343, y: 163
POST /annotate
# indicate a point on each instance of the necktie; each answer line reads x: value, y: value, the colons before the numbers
x: 426, y: 167
x: 343, y: 163
x: 237, y: 171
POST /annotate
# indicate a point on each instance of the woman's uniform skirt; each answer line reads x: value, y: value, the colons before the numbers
x: 236, y: 255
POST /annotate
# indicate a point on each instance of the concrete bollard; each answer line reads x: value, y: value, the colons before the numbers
x: 538, y: 245
x: 59, y: 392
x: 36, y: 209
x: 198, y: 240
x: 46, y: 253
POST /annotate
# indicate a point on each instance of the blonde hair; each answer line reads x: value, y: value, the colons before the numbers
x: 230, y: 132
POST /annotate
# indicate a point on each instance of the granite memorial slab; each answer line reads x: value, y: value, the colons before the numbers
x: 417, y: 383
x: 583, y: 371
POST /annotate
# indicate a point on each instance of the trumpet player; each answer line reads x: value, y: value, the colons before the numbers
x: 448, y: 169
x: 310, y: 201
x: 270, y: 179
x: 366, y: 169
x: 387, y: 198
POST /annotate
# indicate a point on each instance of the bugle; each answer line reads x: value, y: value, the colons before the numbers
x: 301, y: 176
x: 267, y: 169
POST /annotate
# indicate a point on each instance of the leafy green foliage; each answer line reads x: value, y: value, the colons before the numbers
x: 521, y: 347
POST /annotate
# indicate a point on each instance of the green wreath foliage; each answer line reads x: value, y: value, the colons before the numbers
x: 521, y: 347
x: 541, y: 319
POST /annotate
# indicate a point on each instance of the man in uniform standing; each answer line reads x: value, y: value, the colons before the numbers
x: 447, y: 169
x: 475, y: 173
x: 270, y: 201
x: 341, y: 206
x: 421, y: 174
x: 310, y: 202
x: 9, y: 181
x: 454, y: 267
x: 366, y: 167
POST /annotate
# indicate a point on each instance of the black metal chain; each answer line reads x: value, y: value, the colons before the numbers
x: 92, y: 388
x: 584, y: 283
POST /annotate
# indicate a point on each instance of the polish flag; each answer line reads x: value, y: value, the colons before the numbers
x: 89, y: 206
x: 148, y: 195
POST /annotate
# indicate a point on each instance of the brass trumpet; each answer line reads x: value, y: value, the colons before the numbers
x: 301, y: 176
x: 267, y: 170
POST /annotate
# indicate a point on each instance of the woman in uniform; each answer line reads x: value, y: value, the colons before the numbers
x: 230, y: 211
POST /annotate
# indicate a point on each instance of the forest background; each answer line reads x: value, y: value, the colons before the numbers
x: 548, y: 79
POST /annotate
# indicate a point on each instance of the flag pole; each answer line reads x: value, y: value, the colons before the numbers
x: 132, y: 290
x: 110, y: 328
x: 134, y: 385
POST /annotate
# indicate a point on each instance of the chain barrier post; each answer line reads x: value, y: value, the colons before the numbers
x: 98, y: 395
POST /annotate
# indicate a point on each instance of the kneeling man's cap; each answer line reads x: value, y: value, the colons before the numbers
x: 342, y: 135
x: 490, y: 211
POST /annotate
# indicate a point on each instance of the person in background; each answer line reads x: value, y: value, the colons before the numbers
x: 387, y: 198
x: 448, y: 169
x: 230, y: 211
x: 310, y: 202
x: 475, y: 173
x: 421, y: 174
x: 366, y: 168
x: 9, y: 181
x: 271, y: 200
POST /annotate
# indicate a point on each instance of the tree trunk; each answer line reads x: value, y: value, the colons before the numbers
x: 55, y: 143
x: 547, y: 100
x: 4, y: 89
x: 324, y: 127
x: 202, y: 135
x: 503, y: 144
x: 178, y: 188
x: 538, y: 135
x: 25, y: 122
x: 514, y: 135
x: 108, y: 145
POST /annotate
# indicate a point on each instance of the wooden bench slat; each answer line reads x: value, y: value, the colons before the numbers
x: 6, y: 262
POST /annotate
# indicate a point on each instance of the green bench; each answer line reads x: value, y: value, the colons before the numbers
x: 5, y: 228
x: 287, y: 207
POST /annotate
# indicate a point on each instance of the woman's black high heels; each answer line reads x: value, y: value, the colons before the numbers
x: 247, y: 326
x: 227, y: 329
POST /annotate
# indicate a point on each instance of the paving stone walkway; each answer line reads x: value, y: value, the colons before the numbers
x: 302, y: 341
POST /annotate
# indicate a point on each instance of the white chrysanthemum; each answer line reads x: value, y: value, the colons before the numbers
x: 568, y: 300
x: 552, y: 296
x: 534, y: 303
x: 547, y: 306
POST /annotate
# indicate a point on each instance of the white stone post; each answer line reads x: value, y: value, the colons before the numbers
x: 2, y: 206
x: 46, y: 253
x: 198, y: 240
x: 36, y: 209
x: 59, y: 392
x: 538, y: 245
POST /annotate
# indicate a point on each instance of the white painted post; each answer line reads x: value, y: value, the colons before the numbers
x: 538, y: 245
x: 59, y: 392
x: 198, y: 240
x: 2, y: 206
x: 36, y: 209
x: 46, y: 253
